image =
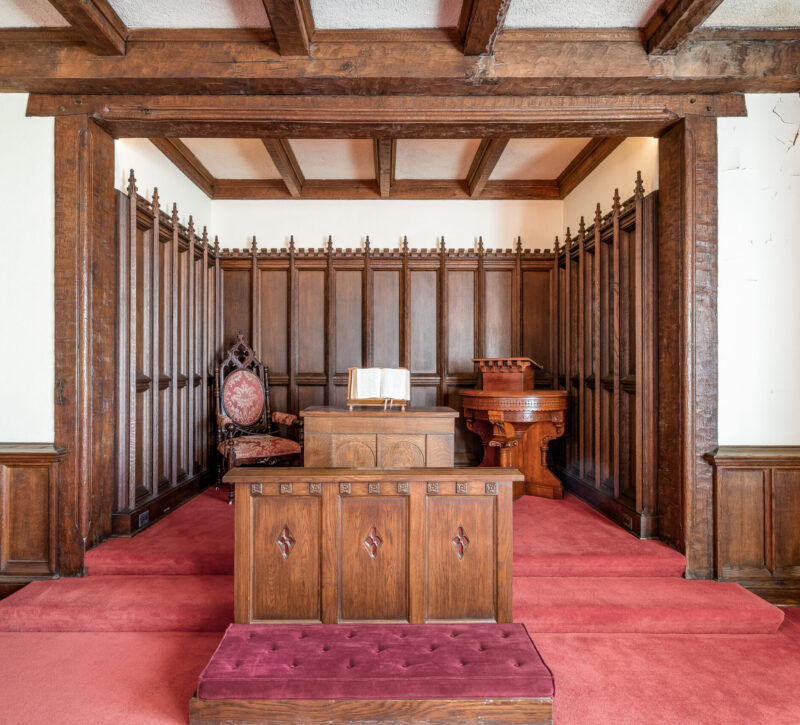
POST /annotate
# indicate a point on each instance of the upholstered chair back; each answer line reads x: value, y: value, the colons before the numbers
x: 242, y: 391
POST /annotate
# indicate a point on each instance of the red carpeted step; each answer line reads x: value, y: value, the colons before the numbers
x: 197, y: 538
x: 569, y: 538
x: 665, y: 605
x: 121, y: 604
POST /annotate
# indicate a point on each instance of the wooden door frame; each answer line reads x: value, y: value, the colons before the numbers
x: 687, y: 329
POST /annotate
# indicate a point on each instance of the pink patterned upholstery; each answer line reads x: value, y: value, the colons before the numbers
x: 283, y: 418
x: 258, y: 446
x: 375, y: 662
x: 243, y: 397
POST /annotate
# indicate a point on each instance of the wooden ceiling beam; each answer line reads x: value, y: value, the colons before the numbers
x: 385, y: 154
x: 285, y: 161
x: 292, y: 22
x: 384, y: 116
x: 546, y: 189
x: 542, y: 66
x: 480, y: 24
x: 180, y: 155
x: 96, y: 23
x: 586, y: 161
x: 673, y: 22
x: 486, y: 158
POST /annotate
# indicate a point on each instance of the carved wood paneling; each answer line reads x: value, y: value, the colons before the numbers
x: 606, y: 361
x: 166, y: 319
x: 321, y: 311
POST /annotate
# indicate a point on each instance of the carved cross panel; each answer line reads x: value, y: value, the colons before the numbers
x: 373, y: 542
x: 285, y: 542
x: 460, y: 541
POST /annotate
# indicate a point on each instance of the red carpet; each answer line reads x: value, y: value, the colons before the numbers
x: 196, y: 538
x: 641, y: 604
x: 121, y: 604
x: 568, y: 538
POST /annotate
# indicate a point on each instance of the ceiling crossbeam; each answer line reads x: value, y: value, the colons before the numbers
x: 480, y: 24
x: 292, y: 23
x: 96, y: 23
x: 385, y: 153
x: 483, y: 164
x: 673, y: 22
x: 286, y: 162
x: 586, y: 161
x: 180, y: 155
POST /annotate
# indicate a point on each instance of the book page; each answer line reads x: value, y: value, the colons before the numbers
x: 395, y: 384
x: 366, y: 383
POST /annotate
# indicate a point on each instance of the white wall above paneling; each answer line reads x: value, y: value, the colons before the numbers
x: 434, y: 158
x: 579, y: 13
x: 29, y: 14
x: 756, y: 14
x: 537, y: 158
x: 338, y: 14
x: 233, y: 158
x: 335, y: 158
x: 194, y: 14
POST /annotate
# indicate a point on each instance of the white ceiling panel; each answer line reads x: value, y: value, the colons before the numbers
x: 320, y: 158
x: 579, y: 13
x: 233, y: 158
x: 338, y: 14
x: 756, y: 14
x: 29, y: 14
x: 434, y: 158
x: 194, y: 14
x: 537, y: 158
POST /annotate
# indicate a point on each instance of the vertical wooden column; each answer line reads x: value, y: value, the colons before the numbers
x: 479, y: 341
x: 292, y: 324
x: 687, y: 339
x: 597, y: 364
x: 255, y: 299
x: 582, y: 441
x: 405, y: 306
x: 330, y: 323
x: 205, y: 362
x: 569, y: 445
x: 616, y: 429
x: 155, y: 353
x: 189, y: 321
x: 441, y: 311
x: 516, y: 307
x: 218, y: 301
x: 84, y: 330
x: 367, y: 305
x: 174, y: 373
x: 557, y: 336
x: 123, y: 342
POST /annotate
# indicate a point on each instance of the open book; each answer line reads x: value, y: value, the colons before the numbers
x: 379, y: 384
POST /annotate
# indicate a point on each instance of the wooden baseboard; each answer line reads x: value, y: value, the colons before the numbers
x: 785, y: 594
x: 641, y: 526
x: 11, y: 584
x: 129, y: 523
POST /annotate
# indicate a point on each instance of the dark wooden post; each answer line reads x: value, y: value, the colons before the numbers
x: 687, y: 324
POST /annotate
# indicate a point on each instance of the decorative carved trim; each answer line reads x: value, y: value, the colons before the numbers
x: 433, y: 487
x: 460, y: 541
x: 374, y: 487
x: 344, y: 488
x: 255, y: 488
x: 285, y: 542
x: 462, y: 487
x: 373, y: 542
x: 286, y: 488
x: 491, y: 488
x: 402, y: 488
x: 315, y: 489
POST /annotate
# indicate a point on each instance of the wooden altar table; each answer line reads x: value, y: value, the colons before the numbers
x: 344, y: 545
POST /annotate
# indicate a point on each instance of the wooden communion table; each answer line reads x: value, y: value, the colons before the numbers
x: 537, y: 417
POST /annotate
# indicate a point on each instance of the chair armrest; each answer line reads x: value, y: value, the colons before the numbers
x: 284, y: 418
x: 225, y: 423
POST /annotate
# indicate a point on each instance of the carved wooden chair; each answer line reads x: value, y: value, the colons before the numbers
x: 245, y: 425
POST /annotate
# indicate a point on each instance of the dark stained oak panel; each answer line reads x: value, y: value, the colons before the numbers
x: 237, y: 317
x: 424, y: 326
x: 349, y: 316
x: 498, y: 295
x: 461, y: 322
x: 311, y: 311
x: 274, y: 321
x: 386, y: 319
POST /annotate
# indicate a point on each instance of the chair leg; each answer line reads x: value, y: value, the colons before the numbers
x: 231, y: 463
x: 219, y: 472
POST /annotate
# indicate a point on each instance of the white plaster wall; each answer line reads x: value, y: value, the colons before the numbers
x: 26, y: 273
x: 618, y: 171
x: 759, y: 273
x: 461, y: 222
x: 153, y: 169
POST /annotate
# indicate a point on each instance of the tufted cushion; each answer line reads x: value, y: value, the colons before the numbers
x: 373, y: 661
x: 259, y: 446
x: 243, y: 397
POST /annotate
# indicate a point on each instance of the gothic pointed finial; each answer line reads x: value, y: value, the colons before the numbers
x: 567, y: 239
x: 441, y: 244
x: 519, y: 244
x: 205, y: 237
x: 131, y: 184
x: 174, y: 213
x: 581, y: 229
x: 615, y: 208
x: 155, y: 199
x: 291, y: 244
x: 367, y: 249
x: 254, y: 246
x: 556, y: 248
x: 330, y: 246
x: 405, y: 244
x: 598, y: 216
x: 190, y: 226
x: 216, y: 245
x: 480, y: 245
x: 638, y: 190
